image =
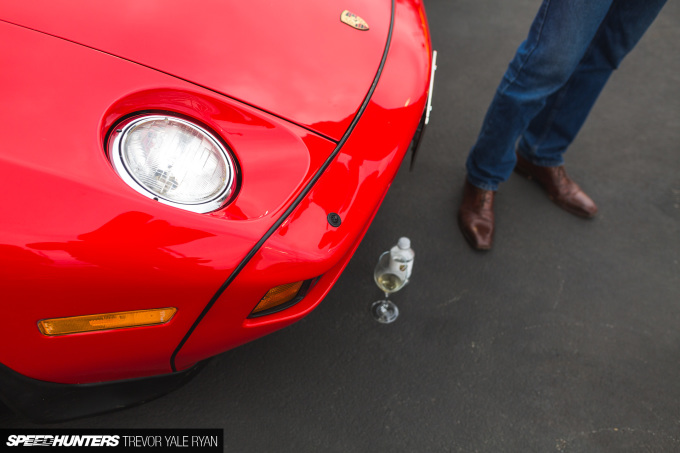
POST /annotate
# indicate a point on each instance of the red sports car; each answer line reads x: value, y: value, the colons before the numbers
x: 180, y: 178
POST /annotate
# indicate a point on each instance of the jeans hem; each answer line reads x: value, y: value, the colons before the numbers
x: 481, y: 184
x: 539, y: 161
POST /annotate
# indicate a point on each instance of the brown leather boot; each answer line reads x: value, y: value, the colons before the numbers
x: 475, y: 216
x: 560, y: 188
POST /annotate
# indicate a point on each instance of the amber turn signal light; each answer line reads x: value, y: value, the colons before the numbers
x: 278, y: 296
x: 106, y: 321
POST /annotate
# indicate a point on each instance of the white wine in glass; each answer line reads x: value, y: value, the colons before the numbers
x: 385, y: 311
x: 389, y: 283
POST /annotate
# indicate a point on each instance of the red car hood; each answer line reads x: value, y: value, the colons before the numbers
x: 295, y: 59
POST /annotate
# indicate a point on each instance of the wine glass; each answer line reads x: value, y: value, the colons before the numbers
x: 389, y: 281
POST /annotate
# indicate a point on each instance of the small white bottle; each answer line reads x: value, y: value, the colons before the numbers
x: 401, y: 259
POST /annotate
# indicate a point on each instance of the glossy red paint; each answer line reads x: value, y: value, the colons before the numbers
x: 75, y: 239
x: 84, y: 242
x: 305, y: 246
x: 295, y: 59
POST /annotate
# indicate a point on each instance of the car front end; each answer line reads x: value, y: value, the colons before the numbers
x: 115, y: 291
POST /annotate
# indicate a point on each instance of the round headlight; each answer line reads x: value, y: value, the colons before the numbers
x: 173, y: 161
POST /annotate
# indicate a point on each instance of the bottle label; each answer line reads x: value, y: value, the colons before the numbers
x: 409, y: 269
x: 398, y: 268
x: 401, y: 268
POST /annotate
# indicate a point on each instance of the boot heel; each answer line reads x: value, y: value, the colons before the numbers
x: 523, y: 172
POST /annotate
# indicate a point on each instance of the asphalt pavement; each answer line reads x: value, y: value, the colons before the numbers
x: 563, y: 338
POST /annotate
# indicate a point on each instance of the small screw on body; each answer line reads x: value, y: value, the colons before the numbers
x: 334, y: 219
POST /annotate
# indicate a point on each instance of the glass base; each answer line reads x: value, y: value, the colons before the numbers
x: 384, y: 311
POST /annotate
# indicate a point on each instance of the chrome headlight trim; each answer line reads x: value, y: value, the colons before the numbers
x: 116, y: 147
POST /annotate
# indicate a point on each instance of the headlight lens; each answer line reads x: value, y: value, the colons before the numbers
x: 173, y: 161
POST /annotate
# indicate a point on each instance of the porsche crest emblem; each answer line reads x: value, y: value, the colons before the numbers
x: 353, y: 20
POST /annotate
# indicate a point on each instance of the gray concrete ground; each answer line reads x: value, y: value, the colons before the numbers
x: 565, y: 337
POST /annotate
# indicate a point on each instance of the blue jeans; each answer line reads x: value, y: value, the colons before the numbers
x: 553, y: 81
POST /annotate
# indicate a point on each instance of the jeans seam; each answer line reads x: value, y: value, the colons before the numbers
x: 565, y: 88
x: 553, y: 115
x: 531, y: 51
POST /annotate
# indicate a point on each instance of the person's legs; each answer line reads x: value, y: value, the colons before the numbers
x: 559, y: 37
x: 545, y: 97
x: 557, y: 41
x: 554, y: 128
